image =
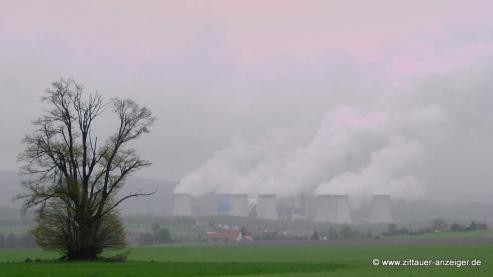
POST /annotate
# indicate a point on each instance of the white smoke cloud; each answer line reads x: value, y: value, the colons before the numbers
x: 356, y: 151
x: 420, y: 113
x: 384, y: 174
x: 343, y: 135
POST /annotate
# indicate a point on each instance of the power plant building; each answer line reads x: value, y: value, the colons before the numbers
x: 267, y: 206
x: 333, y: 208
x: 233, y: 204
x: 380, y: 209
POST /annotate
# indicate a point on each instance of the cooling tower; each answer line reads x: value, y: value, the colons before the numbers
x: 333, y: 208
x: 380, y: 209
x: 267, y: 206
x: 182, y: 204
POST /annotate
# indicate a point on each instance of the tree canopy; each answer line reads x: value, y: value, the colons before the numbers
x: 75, y: 176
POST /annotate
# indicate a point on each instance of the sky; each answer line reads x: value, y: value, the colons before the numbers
x: 354, y: 97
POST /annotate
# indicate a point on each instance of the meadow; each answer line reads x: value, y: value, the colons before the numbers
x: 258, y: 260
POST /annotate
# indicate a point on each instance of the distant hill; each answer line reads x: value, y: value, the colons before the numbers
x: 159, y: 204
x: 422, y: 211
x: 427, y: 210
x: 10, y: 186
x: 7, y: 214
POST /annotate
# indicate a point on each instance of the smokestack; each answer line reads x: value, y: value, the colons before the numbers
x: 333, y: 208
x: 380, y: 209
x: 267, y: 206
x: 182, y: 204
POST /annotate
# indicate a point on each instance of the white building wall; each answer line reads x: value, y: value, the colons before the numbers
x: 333, y: 208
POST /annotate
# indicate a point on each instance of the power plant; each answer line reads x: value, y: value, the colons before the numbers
x: 328, y: 208
x: 233, y: 204
x: 267, y: 206
x: 380, y: 209
x: 182, y: 204
x: 333, y: 208
x: 239, y: 205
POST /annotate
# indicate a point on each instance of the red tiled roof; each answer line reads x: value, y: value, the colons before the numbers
x: 224, y: 235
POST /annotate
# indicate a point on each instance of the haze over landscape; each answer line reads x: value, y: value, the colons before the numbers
x: 251, y: 100
x: 299, y: 138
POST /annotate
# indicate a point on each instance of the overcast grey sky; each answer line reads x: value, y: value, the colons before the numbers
x: 274, y: 95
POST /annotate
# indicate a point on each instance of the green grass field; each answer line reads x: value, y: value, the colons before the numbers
x: 256, y: 260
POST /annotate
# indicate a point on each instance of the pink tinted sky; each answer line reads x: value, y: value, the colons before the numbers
x: 214, y: 63
x: 256, y: 30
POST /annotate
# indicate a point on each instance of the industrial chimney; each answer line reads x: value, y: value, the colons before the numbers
x: 182, y: 205
x: 267, y: 206
x: 333, y: 208
x: 380, y: 209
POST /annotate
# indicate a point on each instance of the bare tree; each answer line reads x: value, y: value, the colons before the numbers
x: 74, y: 177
